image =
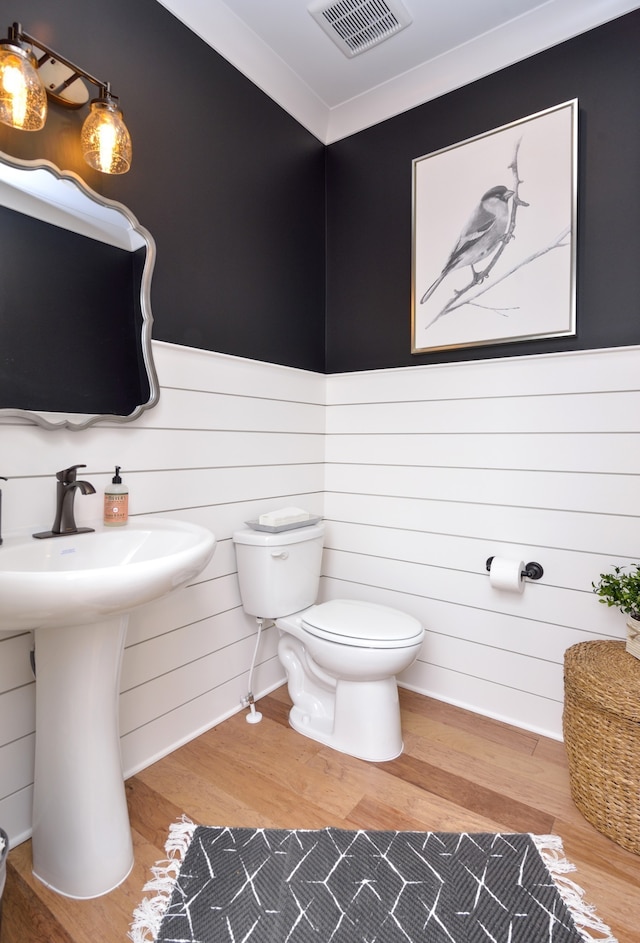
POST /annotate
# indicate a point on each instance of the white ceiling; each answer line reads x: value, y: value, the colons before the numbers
x: 279, y: 46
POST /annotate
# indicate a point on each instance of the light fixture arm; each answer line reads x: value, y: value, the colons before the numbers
x: 18, y: 36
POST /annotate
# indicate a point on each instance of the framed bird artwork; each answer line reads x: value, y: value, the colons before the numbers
x: 494, y: 235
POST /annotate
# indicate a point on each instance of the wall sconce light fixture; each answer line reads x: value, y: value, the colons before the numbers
x: 31, y: 72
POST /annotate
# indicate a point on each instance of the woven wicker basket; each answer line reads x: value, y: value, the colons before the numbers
x: 601, y: 724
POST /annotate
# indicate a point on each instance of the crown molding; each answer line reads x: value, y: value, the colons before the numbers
x: 547, y: 25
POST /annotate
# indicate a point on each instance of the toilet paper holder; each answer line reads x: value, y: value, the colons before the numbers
x: 532, y: 571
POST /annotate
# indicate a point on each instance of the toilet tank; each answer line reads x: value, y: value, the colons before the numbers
x: 279, y: 573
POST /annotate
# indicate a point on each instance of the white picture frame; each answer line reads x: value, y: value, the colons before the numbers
x: 494, y: 235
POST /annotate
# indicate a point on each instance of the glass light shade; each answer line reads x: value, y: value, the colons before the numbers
x: 105, y: 140
x: 23, y: 99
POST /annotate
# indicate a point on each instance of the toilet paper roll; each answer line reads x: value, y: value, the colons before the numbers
x: 507, y: 574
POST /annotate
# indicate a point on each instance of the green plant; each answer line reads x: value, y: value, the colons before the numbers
x: 621, y: 589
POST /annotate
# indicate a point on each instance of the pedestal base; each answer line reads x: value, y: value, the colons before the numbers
x: 82, y: 844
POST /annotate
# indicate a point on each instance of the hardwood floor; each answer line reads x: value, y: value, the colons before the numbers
x: 459, y: 772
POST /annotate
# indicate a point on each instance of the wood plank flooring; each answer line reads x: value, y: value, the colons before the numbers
x: 459, y: 772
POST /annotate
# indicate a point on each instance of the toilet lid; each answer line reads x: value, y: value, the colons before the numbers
x: 362, y: 623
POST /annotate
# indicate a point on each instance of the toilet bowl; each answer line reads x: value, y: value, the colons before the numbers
x: 341, y: 657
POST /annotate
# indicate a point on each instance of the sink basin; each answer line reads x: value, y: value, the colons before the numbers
x: 84, y: 578
x: 76, y: 593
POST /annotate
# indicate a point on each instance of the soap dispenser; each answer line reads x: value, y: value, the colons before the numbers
x: 116, y: 502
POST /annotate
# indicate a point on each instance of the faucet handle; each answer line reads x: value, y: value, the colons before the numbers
x: 68, y: 475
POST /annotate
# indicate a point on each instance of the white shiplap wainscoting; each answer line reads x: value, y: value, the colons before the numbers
x: 431, y: 470
x: 229, y: 439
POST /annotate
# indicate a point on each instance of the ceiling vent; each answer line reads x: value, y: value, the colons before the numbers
x: 358, y: 25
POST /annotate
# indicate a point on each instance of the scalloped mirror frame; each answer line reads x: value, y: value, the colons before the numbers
x: 92, y: 214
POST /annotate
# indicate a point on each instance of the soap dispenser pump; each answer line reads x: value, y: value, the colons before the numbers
x: 116, y: 502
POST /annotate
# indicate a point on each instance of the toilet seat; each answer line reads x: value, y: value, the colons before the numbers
x: 361, y: 624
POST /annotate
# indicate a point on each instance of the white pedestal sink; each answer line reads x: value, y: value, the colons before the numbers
x: 76, y: 593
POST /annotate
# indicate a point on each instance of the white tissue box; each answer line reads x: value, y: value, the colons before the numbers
x: 283, y: 516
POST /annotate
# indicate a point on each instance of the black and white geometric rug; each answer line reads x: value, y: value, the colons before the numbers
x: 246, y: 885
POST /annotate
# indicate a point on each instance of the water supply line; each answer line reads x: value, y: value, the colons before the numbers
x: 254, y: 716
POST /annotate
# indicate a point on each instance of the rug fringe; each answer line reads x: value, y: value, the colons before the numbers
x: 584, y: 915
x: 147, y: 917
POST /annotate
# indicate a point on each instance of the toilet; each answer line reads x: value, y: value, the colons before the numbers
x: 341, y: 657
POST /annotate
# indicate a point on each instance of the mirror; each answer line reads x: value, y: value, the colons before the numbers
x: 75, y: 311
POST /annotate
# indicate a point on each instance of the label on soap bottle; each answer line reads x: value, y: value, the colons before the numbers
x: 116, y: 509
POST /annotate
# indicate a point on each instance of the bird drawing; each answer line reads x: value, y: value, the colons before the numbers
x: 480, y: 237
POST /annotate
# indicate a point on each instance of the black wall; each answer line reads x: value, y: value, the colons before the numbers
x: 369, y: 201
x: 230, y: 186
x: 233, y: 189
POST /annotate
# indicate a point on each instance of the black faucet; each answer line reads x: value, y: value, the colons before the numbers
x: 4, y: 479
x: 66, y: 488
